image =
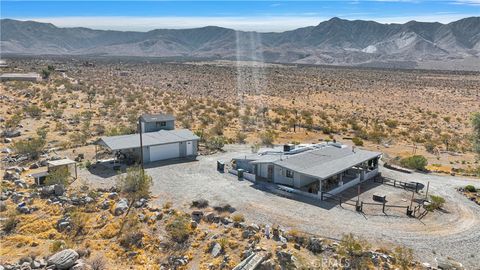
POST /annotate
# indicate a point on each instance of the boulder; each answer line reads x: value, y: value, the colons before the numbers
x: 63, y: 259
x: 21, y: 183
x: 120, y: 207
x: 216, y: 249
x: 58, y: 190
x: 11, y: 133
x: 48, y: 190
x: 113, y: 195
x: 197, y: 215
x: 105, y: 205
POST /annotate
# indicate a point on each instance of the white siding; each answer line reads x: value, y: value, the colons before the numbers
x: 189, y: 148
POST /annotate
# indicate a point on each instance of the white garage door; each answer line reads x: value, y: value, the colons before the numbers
x: 165, y: 151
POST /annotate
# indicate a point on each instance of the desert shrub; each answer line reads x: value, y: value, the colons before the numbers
x: 216, y: 142
x: 357, y: 141
x: 179, y: 228
x: 78, y: 221
x: 167, y: 205
x: 238, y: 218
x: 10, y: 224
x: 98, y: 262
x: 58, y: 176
x: 33, y: 111
x: 391, y: 123
x: 31, y: 148
x: 354, y: 249
x: 470, y: 188
x: 417, y: 162
x: 403, y: 257
x: 436, y: 202
x: 268, y: 137
x: 57, y: 245
x: 201, y: 203
x: 132, y: 238
x: 240, y: 137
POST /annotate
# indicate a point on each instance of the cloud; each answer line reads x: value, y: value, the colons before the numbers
x: 248, y: 23
x: 468, y: 2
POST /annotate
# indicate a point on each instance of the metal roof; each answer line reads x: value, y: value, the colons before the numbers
x: 326, y: 161
x: 60, y: 162
x: 148, y: 139
x: 20, y: 75
x: 157, y: 117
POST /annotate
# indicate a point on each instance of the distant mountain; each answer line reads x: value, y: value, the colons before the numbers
x: 341, y: 42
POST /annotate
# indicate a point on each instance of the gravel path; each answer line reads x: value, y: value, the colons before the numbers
x: 455, y: 233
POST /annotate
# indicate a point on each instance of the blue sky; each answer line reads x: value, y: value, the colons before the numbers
x: 243, y: 15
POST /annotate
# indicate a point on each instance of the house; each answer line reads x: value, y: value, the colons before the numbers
x: 27, y: 77
x: 318, y: 168
x: 160, y: 141
x: 157, y: 122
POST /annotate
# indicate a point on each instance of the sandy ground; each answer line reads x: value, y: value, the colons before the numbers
x: 454, y: 233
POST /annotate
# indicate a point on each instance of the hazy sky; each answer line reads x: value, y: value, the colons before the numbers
x: 242, y: 15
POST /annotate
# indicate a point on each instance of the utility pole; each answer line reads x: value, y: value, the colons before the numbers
x: 141, y: 142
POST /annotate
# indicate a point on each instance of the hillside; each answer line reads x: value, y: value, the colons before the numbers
x: 339, y: 42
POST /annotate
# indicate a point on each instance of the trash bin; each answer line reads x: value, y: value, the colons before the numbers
x: 220, y: 166
x: 240, y: 174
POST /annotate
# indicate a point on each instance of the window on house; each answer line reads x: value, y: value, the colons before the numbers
x: 161, y: 124
x: 289, y: 174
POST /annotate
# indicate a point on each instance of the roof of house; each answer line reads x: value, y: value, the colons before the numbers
x: 325, y: 162
x: 150, y: 138
x: 20, y: 75
x: 60, y: 162
x: 157, y: 117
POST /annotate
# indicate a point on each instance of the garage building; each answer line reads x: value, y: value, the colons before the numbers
x: 161, y: 143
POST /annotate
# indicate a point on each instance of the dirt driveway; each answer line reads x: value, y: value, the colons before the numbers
x: 454, y: 233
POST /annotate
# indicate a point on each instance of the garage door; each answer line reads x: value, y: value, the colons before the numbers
x: 165, y: 151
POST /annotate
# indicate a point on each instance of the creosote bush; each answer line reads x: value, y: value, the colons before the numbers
x: 417, y: 162
x: 179, y: 228
x: 436, y: 202
x: 470, y: 188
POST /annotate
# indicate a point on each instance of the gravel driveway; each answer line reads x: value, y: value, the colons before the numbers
x: 454, y: 233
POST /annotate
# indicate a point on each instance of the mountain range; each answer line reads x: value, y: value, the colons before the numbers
x: 455, y: 45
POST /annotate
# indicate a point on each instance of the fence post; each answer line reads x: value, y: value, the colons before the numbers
x: 383, y: 209
x: 321, y: 196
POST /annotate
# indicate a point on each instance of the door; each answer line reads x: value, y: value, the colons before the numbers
x: 164, y: 151
x: 189, y: 148
x: 270, y: 172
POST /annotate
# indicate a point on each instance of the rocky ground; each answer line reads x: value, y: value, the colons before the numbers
x: 53, y: 227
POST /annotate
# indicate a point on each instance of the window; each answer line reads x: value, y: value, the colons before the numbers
x: 289, y: 174
x: 161, y: 124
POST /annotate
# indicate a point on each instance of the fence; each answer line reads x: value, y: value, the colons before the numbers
x: 399, y: 184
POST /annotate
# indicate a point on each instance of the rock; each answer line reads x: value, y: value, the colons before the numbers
x: 210, y: 217
x: 9, y: 175
x: 80, y: 265
x: 48, y: 190
x: 197, y: 215
x: 105, y: 205
x: 140, y: 203
x: 448, y: 264
x: 63, y: 259
x: 11, y: 133
x: 216, y: 249
x: 3, y: 206
x: 285, y: 258
x: 7, y: 140
x: 113, y: 195
x: 193, y: 224
x: 121, y: 207
x: 254, y: 227
x: 315, y: 245
x: 267, y: 265
x: 6, y: 150
x: 22, y: 208
x: 20, y: 183
x: 58, y: 190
